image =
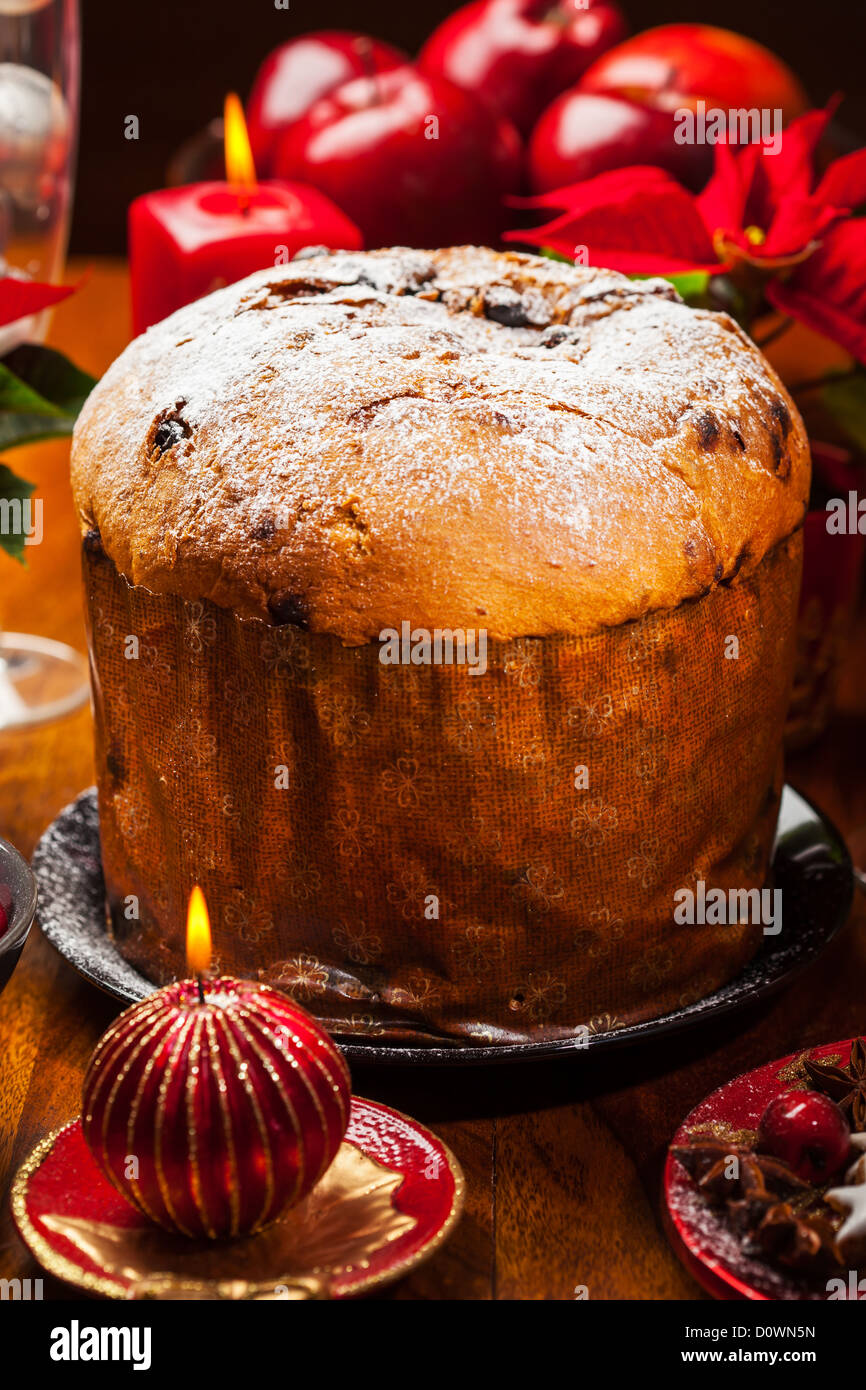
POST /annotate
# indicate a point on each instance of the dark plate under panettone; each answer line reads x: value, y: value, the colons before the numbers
x: 811, y: 865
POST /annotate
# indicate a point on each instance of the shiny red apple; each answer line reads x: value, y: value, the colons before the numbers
x: 519, y: 54
x: 299, y: 72
x: 583, y: 134
x: 413, y: 159
x: 676, y: 65
x: 623, y: 110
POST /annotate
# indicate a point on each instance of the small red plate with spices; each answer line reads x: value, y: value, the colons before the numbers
x: 748, y: 1220
x: 389, y: 1199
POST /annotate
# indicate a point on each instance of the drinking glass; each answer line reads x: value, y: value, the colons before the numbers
x: 40, y: 68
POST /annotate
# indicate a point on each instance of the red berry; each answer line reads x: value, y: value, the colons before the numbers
x: 808, y: 1132
x: 4, y: 921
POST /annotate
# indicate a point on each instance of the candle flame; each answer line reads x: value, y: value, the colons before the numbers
x: 197, y: 933
x: 240, y: 166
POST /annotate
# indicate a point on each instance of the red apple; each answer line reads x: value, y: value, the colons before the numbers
x: 623, y: 109
x: 807, y: 1131
x: 299, y: 72
x: 410, y: 157
x: 676, y: 65
x: 583, y: 134
x: 519, y: 54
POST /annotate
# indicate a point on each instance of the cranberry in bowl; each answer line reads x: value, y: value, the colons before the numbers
x: 17, y: 908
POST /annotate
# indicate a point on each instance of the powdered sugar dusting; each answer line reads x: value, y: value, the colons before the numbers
x: 354, y: 414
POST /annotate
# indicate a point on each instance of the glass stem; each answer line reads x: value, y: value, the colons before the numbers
x: 12, y: 707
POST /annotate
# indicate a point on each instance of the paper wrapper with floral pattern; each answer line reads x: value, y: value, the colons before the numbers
x: 413, y: 851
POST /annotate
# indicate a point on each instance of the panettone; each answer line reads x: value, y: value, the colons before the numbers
x: 298, y: 494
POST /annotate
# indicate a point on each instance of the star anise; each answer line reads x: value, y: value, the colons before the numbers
x: 799, y: 1241
x: 775, y: 1213
x: 756, y: 1179
x: 845, y: 1085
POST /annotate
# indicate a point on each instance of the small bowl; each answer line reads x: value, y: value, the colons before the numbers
x: 15, y: 873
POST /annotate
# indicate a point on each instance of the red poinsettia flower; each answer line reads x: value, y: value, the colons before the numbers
x: 770, y: 212
x: 638, y: 220
x: 21, y: 298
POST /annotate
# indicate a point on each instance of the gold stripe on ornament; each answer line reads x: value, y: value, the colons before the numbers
x: 192, y: 1081
x: 121, y: 1038
x: 139, y: 1042
x: 116, y: 1031
x: 226, y: 1018
x: 133, y: 1038
x: 96, y: 1065
x: 319, y: 1064
x: 174, y: 1023
x: 161, y: 1106
x: 305, y: 1049
x: 283, y: 1094
x: 326, y: 1045
x: 302, y: 1049
x: 225, y: 1113
x: 334, y: 1054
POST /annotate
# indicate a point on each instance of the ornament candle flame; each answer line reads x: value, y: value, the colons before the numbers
x: 215, y: 1107
x: 198, y: 938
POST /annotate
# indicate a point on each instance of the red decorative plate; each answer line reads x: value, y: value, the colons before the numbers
x: 709, y: 1250
x: 390, y: 1198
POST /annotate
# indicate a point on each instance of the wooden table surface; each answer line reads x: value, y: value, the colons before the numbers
x: 562, y: 1160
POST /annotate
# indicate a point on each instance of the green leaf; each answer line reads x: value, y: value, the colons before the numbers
x: 41, y: 394
x: 554, y: 256
x: 12, y: 490
x: 51, y: 374
x: 845, y: 400
x: 692, y: 285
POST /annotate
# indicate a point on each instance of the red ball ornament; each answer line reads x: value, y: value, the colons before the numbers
x: 807, y: 1131
x: 214, y: 1113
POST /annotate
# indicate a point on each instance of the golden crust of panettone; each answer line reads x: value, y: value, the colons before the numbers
x: 460, y: 437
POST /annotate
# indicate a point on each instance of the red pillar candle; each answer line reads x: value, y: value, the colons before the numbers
x: 185, y: 242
